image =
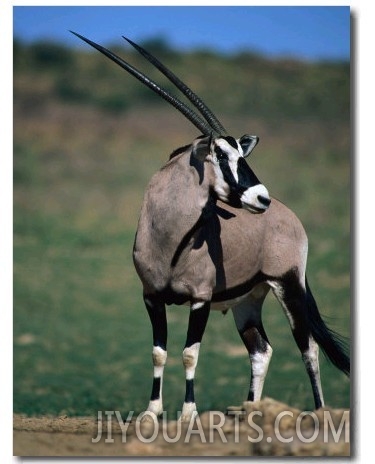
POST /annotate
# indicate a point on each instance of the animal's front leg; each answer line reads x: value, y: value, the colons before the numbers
x: 197, y: 324
x: 157, y: 313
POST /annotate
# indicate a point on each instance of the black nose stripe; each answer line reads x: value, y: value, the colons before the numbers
x: 264, y: 200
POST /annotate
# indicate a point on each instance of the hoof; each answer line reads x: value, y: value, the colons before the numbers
x: 148, y: 416
x: 189, y: 411
x: 154, y: 409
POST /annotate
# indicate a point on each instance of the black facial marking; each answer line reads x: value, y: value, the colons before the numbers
x: 232, y: 141
x: 220, y: 154
x: 246, y: 176
x: 246, y: 179
x: 228, y: 174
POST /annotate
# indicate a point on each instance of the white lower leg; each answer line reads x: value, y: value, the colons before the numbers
x: 259, y: 368
x: 188, y: 411
x: 311, y: 360
x: 190, y: 360
x: 159, y: 357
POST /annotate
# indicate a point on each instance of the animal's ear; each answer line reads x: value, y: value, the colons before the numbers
x: 201, y: 147
x: 248, y: 143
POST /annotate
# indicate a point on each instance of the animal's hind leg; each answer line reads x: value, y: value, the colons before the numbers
x: 291, y: 294
x: 247, y: 316
x: 157, y: 313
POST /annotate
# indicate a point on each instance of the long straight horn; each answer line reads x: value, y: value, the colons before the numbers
x: 195, y: 100
x: 174, y: 101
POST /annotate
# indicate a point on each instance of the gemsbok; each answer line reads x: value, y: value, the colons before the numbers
x: 209, y: 236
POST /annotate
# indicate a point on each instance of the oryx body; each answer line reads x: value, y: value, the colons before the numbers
x: 193, y: 248
x: 209, y: 236
x: 209, y: 263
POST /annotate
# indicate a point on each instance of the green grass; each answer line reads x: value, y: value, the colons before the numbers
x: 82, y: 338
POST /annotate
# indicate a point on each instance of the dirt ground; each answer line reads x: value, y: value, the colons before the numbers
x: 264, y: 428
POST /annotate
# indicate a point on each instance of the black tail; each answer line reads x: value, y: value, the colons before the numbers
x: 332, y: 344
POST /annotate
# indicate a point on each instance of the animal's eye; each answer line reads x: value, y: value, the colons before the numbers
x: 220, y: 154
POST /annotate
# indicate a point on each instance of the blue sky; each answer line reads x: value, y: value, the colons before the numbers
x: 311, y: 33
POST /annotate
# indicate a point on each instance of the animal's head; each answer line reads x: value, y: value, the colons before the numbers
x: 234, y: 181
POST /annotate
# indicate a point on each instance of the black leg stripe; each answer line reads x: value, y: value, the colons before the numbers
x: 189, y: 396
x: 155, y: 394
x: 250, y: 396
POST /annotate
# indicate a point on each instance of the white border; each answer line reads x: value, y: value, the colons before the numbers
x: 363, y: 155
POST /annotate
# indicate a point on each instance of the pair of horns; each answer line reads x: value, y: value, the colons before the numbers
x: 210, y: 124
